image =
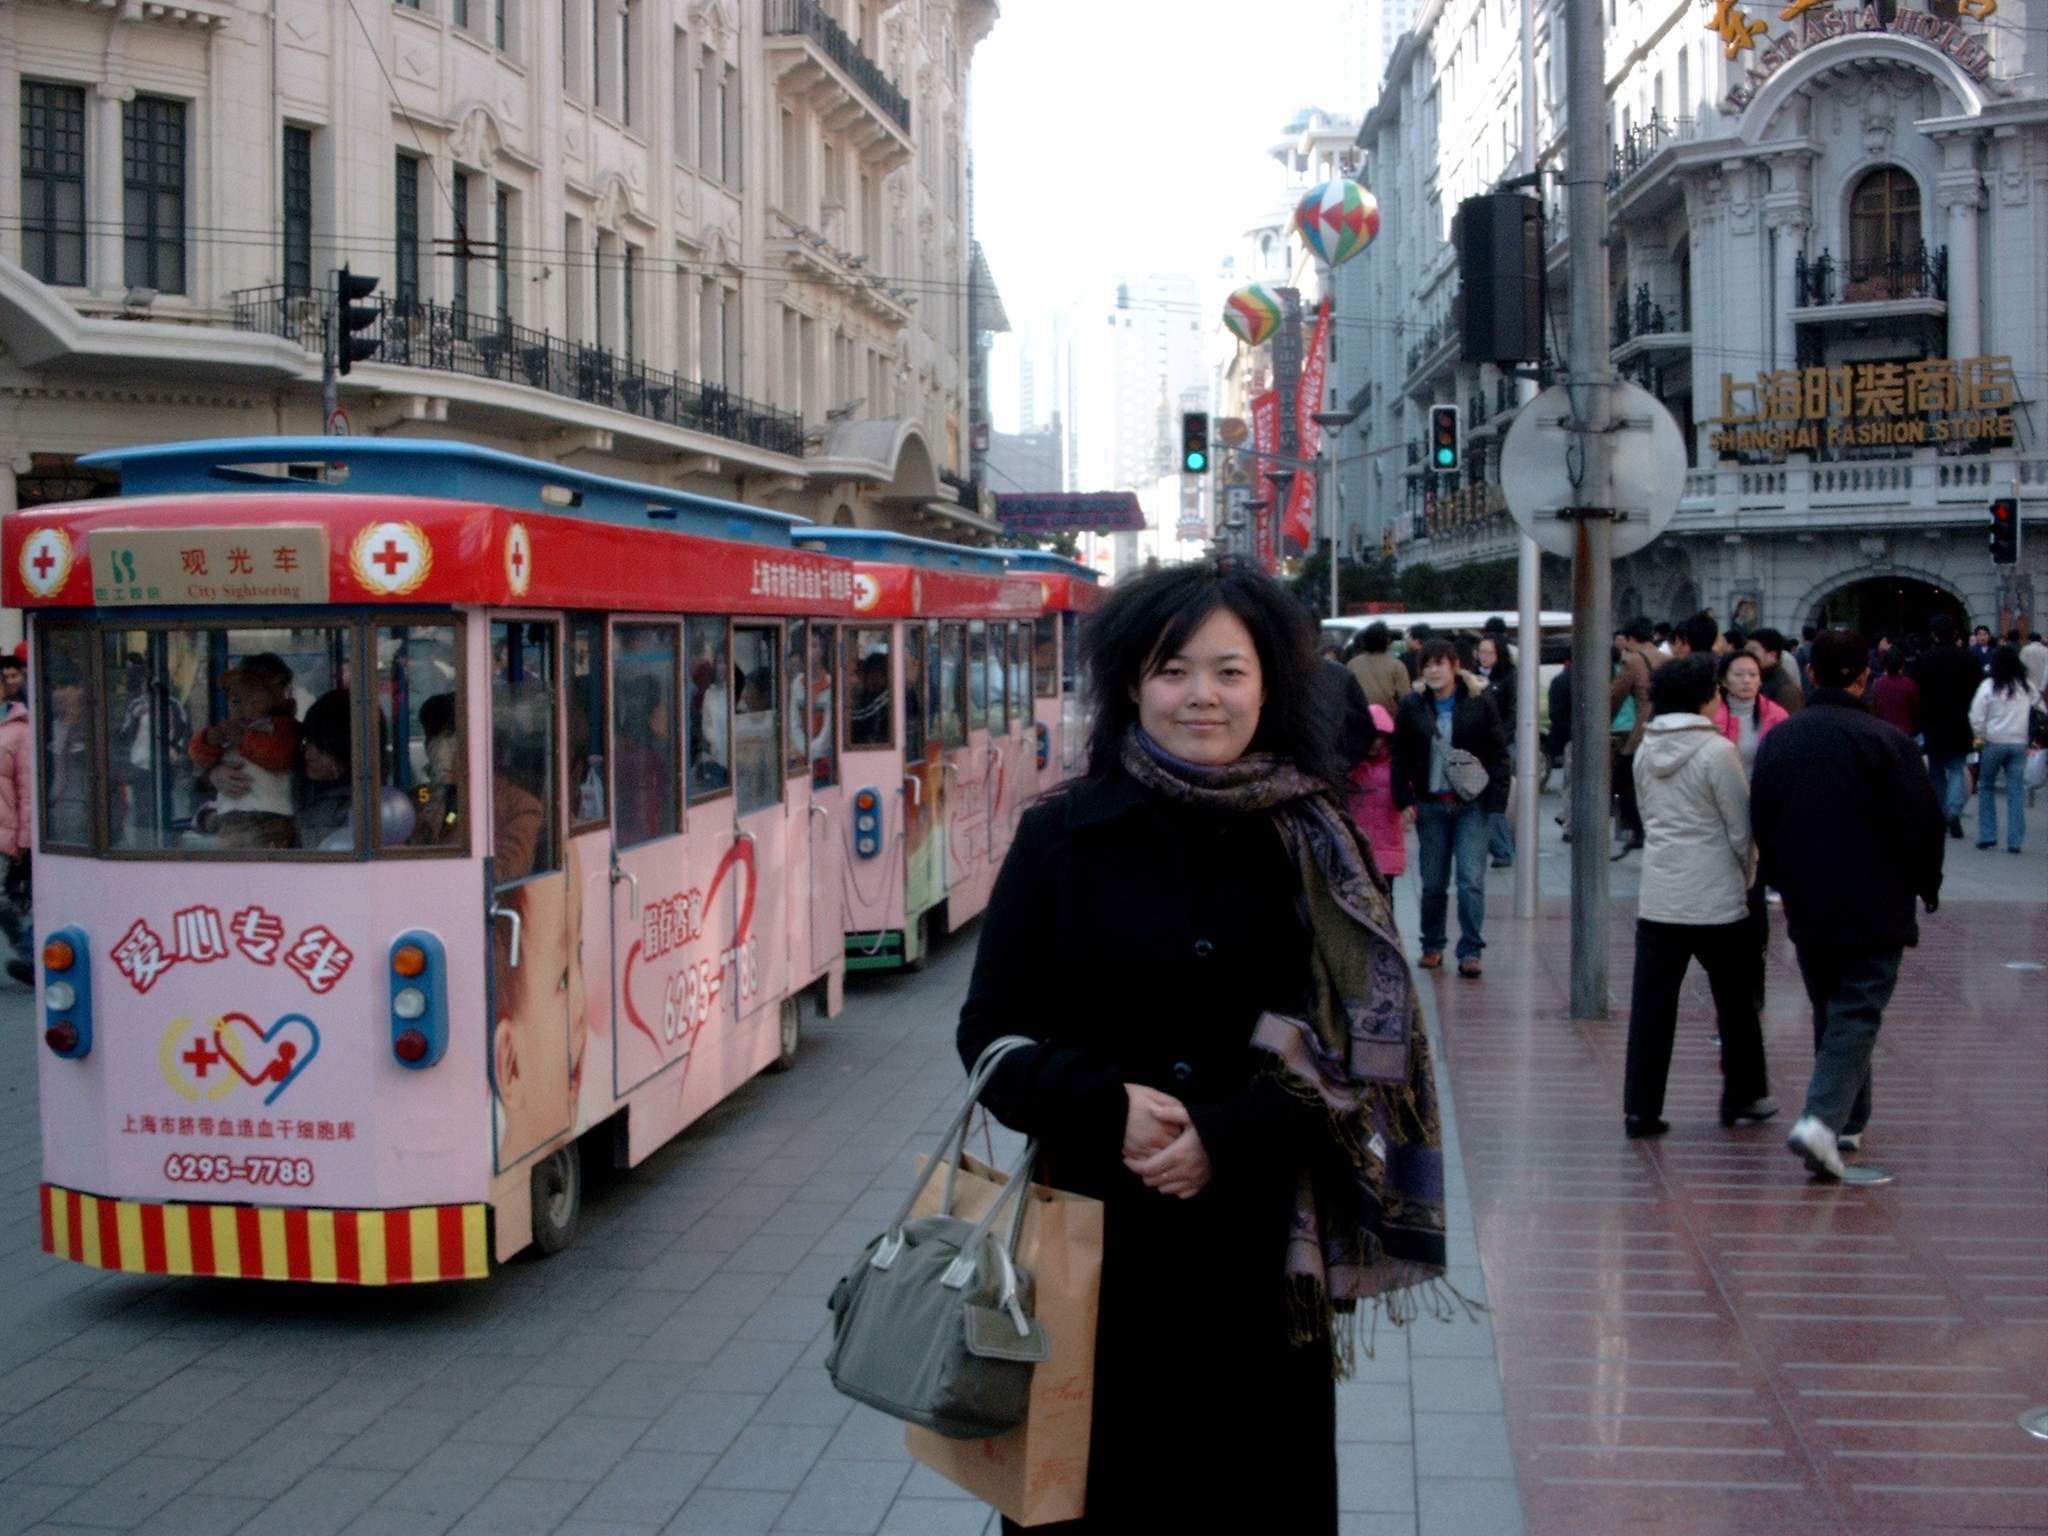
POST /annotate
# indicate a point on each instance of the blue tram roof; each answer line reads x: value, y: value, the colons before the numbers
x: 1046, y: 563
x: 901, y: 549
x: 390, y: 466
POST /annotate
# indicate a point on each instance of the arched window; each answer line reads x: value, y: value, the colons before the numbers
x: 1884, y: 228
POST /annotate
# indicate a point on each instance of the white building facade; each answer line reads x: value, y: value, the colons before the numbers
x: 718, y: 244
x: 1829, y: 257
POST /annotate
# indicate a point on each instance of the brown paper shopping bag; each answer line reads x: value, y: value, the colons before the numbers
x: 1037, y: 1473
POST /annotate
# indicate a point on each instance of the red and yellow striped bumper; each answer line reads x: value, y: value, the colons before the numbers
x: 248, y: 1242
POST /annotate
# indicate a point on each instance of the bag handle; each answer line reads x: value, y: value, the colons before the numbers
x: 952, y: 1146
x: 968, y: 1262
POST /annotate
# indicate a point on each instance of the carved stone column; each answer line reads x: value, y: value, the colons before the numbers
x: 105, y: 268
x: 1961, y: 192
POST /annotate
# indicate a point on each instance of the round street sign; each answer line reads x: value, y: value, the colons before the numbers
x: 337, y: 423
x: 1646, y: 474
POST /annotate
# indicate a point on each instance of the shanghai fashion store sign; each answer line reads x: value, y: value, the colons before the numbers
x: 144, y: 566
x: 1064, y: 512
x: 1867, y: 405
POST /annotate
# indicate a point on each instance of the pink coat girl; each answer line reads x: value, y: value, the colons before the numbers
x: 1371, y: 800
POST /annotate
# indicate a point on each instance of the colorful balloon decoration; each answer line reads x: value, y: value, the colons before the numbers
x: 1338, y: 219
x: 1252, y: 313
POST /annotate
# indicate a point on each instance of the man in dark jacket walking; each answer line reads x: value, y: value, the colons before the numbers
x: 1850, y: 832
x: 1451, y: 713
x: 1947, y: 677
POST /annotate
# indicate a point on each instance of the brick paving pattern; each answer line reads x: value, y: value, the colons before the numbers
x: 1697, y: 1338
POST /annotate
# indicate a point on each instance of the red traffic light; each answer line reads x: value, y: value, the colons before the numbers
x: 2005, y: 531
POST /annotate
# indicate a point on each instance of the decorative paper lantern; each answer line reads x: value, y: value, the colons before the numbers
x: 1252, y: 313
x: 1338, y: 219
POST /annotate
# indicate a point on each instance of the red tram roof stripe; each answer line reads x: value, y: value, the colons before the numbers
x: 49, y: 1221
x: 298, y: 1244
x: 154, y: 1258
x: 348, y: 1258
x: 199, y: 1218
x: 249, y: 1238
x: 74, y: 1211
x: 450, y: 1221
x: 397, y: 1247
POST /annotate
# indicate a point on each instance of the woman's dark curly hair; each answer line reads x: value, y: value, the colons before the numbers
x: 1148, y: 618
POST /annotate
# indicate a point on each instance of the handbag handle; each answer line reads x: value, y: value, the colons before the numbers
x: 952, y: 1146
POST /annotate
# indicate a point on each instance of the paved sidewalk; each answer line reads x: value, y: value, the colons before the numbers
x: 663, y: 1375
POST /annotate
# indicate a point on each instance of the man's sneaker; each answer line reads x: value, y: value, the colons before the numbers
x: 1432, y: 959
x: 1751, y: 1113
x: 1814, y: 1142
x: 1850, y: 1141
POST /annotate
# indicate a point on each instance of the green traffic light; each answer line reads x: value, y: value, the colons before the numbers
x: 1445, y: 458
x: 1195, y: 463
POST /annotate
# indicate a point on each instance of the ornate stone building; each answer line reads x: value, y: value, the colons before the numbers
x: 720, y: 244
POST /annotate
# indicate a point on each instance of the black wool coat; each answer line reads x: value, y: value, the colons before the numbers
x: 1847, y: 826
x: 1138, y: 941
x: 1475, y: 727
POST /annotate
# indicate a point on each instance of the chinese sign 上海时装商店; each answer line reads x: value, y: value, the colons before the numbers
x: 1931, y: 400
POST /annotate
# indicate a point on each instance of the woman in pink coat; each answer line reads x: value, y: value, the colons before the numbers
x: 16, y: 833
x: 1371, y: 801
x: 1745, y: 716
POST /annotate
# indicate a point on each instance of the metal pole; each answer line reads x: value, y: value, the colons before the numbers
x: 1528, y: 676
x: 1593, y: 550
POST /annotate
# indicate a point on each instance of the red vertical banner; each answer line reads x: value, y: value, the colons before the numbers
x: 1265, y: 412
x: 1299, y: 529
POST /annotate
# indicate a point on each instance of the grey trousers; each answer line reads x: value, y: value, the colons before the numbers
x: 1849, y: 989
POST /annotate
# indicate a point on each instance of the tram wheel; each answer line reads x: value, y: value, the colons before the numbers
x: 792, y: 1025
x: 557, y: 1198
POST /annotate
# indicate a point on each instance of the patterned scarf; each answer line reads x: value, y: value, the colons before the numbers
x: 1368, y: 1221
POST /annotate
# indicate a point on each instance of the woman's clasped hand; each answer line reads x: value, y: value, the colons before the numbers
x: 1161, y: 1145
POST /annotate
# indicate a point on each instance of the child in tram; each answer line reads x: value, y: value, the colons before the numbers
x: 249, y: 756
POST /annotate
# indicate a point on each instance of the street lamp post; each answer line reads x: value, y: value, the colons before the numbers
x: 1333, y: 424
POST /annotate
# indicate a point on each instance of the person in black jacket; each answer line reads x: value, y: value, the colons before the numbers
x: 1947, y: 676
x: 1497, y: 666
x: 1147, y: 920
x: 1452, y: 711
x: 1850, y: 833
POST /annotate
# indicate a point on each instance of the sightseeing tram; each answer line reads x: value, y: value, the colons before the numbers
x: 407, y: 813
x: 953, y: 687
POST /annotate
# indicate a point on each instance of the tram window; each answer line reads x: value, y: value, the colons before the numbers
x: 977, y: 675
x: 710, y: 736
x: 420, y: 731
x: 756, y: 732
x: 952, y: 688
x: 917, y: 692
x: 1070, y: 651
x: 796, y: 715
x: 587, y: 745
x: 998, y: 676
x: 523, y: 746
x: 820, y: 696
x: 644, y: 757
x: 67, y: 776
x: 934, y: 689
x: 1020, y: 676
x: 867, y: 687
x: 1045, y: 639
x: 230, y: 740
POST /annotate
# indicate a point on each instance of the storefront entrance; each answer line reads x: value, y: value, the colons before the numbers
x: 1887, y: 605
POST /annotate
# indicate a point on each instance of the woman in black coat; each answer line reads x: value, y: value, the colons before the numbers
x: 1141, y: 931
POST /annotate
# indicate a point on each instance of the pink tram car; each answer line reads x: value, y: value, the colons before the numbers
x: 412, y: 817
x: 960, y: 682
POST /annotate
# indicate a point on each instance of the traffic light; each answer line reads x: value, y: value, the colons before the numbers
x: 1194, y: 442
x: 2005, y: 531
x: 351, y: 317
x: 1443, y: 438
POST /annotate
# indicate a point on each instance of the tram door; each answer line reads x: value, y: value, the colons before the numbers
x: 924, y: 782
x: 761, y: 948
x: 537, y: 995
x: 655, y: 1020
x: 811, y: 770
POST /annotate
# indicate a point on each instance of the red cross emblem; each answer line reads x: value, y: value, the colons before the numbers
x: 518, y: 559
x: 391, y: 559
x: 46, y: 561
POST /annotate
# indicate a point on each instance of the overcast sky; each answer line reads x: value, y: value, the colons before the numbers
x: 1117, y: 136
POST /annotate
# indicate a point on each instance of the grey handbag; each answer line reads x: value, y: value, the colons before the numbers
x: 934, y: 1323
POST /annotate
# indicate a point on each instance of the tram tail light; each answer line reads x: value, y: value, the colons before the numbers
x: 67, y: 993
x: 867, y: 822
x: 419, y: 999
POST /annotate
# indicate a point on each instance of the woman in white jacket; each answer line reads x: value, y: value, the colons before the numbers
x: 1697, y: 863
x: 1999, y: 716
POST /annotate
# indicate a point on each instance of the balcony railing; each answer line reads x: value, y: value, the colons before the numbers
x: 433, y: 336
x: 1640, y: 145
x: 1643, y: 317
x: 1919, y: 273
x: 806, y: 18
